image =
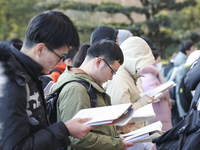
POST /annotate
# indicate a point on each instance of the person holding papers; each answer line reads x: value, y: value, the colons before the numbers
x: 23, y: 116
x: 123, y: 87
x: 153, y: 78
x: 102, y: 60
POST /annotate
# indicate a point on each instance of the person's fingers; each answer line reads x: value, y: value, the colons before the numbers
x: 91, y: 127
x: 121, y: 137
x: 132, y: 124
x: 83, y: 120
x: 130, y: 144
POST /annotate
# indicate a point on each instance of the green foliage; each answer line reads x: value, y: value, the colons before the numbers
x: 167, y: 23
x: 170, y: 49
x: 14, y: 17
x: 186, y: 24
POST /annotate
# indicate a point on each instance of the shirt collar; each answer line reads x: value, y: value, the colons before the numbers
x: 33, y: 69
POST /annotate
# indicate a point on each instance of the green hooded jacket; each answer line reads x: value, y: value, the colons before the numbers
x: 73, y: 98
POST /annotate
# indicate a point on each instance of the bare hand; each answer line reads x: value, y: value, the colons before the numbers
x: 76, y: 127
x: 169, y: 103
x: 128, y: 144
x: 152, y: 98
x: 127, y: 128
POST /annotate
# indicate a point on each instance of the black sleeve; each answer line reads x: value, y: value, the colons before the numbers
x: 192, y: 77
x: 15, y: 130
x: 54, y: 136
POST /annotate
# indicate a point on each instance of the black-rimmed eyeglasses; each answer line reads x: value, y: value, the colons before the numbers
x: 113, y: 72
x: 60, y: 58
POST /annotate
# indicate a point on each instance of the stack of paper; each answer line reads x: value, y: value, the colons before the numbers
x: 157, y: 97
x: 158, y: 89
x: 145, y: 134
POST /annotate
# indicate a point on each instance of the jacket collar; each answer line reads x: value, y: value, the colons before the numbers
x: 85, y: 77
x: 33, y: 69
x: 180, y: 59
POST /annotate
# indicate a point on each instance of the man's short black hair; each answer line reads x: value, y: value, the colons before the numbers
x: 14, y: 41
x: 185, y: 46
x: 107, y: 49
x: 52, y: 28
x: 71, y: 53
x: 103, y: 32
x: 156, y: 54
x: 149, y: 42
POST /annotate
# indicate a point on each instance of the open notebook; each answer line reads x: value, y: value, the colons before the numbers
x: 118, y: 115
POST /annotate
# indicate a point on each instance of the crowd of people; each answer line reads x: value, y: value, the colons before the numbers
x: 117, y: 65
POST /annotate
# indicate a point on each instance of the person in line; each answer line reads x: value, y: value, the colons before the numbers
x: 123, y: 89
x: 123, y: 35
x: 23, y: 118
x: 104, y: 32
x: 157, y: 57
x: 102, y: 60
x: 167, y: 74
x: 80, y: 56
x: 149, y: 42
x: 185, y: 49
x: 185, y: 94
x: 169, y: 68
x: 59, y: 69
x: 153, y: 78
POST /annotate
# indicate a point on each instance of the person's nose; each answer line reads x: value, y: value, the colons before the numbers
x: 111, y: 77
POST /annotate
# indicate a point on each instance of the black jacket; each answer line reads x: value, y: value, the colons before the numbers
x: 192, y: 78
x: 23, y: 123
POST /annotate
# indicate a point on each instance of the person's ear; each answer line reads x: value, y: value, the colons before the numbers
x: 40, y: 48
x: 68, y: 61
x: 98, y: 61
x: 187, y: 52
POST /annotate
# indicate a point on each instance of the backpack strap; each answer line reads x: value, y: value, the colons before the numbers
x: 182, y: 133
x: 91, y: 91
x: 27, y: 91
x: 54, y: 101
x: 55, y: 70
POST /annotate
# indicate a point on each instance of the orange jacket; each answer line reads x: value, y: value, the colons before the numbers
x: 55, y: 74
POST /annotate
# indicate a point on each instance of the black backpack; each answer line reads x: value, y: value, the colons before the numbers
x: 185, y: 95
x: 51, y: 100
x: 186, y: 134
x: 55, y: 70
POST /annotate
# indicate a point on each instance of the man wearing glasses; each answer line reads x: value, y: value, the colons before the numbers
x: 102, y: 60
x: 23, y: 120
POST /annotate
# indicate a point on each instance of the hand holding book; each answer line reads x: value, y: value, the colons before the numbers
x: 145, y: 134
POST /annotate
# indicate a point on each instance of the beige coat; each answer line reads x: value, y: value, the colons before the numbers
x: 122, y: 88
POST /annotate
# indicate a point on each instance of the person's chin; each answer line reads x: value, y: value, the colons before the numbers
x: 46, y: 72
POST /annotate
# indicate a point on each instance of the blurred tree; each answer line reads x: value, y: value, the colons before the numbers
x: 185, y: 25
x: 14, y: 17
x: 164, y: 22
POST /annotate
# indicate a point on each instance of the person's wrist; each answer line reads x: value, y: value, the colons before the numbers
x: 67, y: 128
